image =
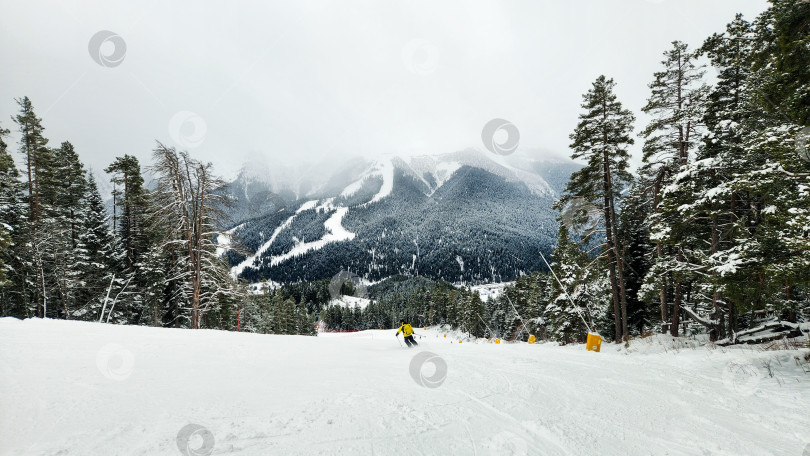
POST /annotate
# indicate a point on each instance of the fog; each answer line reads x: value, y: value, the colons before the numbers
x: 304, y: 80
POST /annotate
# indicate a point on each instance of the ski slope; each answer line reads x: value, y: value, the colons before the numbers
x: 96, y: 389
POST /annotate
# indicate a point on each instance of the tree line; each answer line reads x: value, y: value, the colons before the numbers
x: 153, y: 262
x: 715, y: 228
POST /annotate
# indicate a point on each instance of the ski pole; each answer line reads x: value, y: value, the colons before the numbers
x: 397, y: 336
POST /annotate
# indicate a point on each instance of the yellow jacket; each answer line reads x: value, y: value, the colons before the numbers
x: 406, y: 330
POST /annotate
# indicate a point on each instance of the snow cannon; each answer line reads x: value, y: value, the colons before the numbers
x: 497, y: 341
x: 593, y: 342
x: 445, y: 336
x: 532, y: 339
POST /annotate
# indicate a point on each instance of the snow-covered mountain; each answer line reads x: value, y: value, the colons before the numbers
x: 465, y: 216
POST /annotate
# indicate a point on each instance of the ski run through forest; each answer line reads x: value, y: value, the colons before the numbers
x: 696, y: 261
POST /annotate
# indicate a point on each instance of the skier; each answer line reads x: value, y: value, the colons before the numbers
x: 407, y: 333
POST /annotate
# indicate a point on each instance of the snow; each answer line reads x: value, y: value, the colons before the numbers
x: 444, y: 171
x: 335, y: 232
x: 307, y: 206
x: 489, y: 291
x: 350, y: 302
x: 353, y: 188
x: 385, y: 169
x: 88, y: 388
x: 224, y: 240
x: 730, y: 266
x: 236, y: 270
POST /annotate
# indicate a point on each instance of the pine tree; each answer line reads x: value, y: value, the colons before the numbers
x: 633, y: 231
x: 676, y: 104
x: 132, y: 200
x: 132, y: 206
x: 63, y: 189
x: 708, y: 209
x: 602, y: 139
x: 37, y: 159
x: 8, y: 177
x: 97, y: 256
x: 13, y: 237
x: 770, y: 264
x: 568, y: 307
x: 33, y: 146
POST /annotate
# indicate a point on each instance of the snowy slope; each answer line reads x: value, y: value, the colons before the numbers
x: 84, y: 388
x: 441, y: 168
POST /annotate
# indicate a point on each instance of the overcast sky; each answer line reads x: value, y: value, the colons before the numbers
x: 300, y: 80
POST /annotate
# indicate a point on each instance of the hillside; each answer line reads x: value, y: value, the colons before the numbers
x: 461, y: 217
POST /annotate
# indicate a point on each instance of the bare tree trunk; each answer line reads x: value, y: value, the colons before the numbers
x: 717, y: 331
x: 659, y: 253
x: 620, y: 270
x: 614, y: 288
x: 676, y: 305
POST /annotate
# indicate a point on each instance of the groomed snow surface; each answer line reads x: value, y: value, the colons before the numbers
x: 95, y: 389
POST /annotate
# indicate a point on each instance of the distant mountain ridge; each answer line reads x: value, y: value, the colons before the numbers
x: 466, y: 216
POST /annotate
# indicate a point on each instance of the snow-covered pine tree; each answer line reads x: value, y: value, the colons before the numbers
x: 97, y: 258
x: 709, y: 208
x: 63, y: 193
x: 536, y: 287
x: 37, y: 159
x: 634, y: 233
x: 131, y: 209
x: 14, y: 297
x: 676, y: 105
x: 770, y: 264
x: 566, y: 320
x: 7, y: 170
x: 601, y: 139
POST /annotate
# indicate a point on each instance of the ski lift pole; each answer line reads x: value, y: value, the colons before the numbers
x: 579, y: 312
x: 485, y: 324
x: 522, y: 321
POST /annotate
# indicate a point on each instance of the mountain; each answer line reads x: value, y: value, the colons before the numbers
x: 465, y: 216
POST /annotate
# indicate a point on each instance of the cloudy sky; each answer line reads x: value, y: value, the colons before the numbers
x: 303, y: 80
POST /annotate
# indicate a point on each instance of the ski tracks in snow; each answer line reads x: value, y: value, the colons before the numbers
x: 268, y: 395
